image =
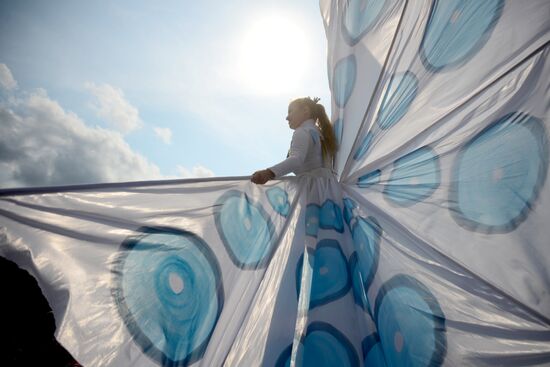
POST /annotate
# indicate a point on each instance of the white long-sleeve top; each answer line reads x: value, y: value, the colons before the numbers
x: 305, y: 151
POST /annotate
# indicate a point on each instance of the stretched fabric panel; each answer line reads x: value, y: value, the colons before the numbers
x: 428, y: 248
x: 450, y: 163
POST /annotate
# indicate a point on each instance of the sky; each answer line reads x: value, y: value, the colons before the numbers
x: 114, y: 91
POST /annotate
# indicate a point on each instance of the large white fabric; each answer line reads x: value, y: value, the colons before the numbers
x: 430, y: 248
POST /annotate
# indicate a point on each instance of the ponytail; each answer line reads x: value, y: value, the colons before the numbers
x: 328, y: 139
x: 328, y: 143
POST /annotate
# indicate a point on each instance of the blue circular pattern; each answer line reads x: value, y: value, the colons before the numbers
x: 359, y: 17
x: 323, y: 346
x: 284, y: 357
x: 399, y: 95
x: 364, y: 147
x: 457, y: 30
x: 330, y: 216
x: 169, y: 292
x: 312, y: 219
x: 366, y: 234
x: 410, y: 323
x: 373, y: 355
x: 499, y: 173
x: 245, y: 230
x: 415, y: 177
x: 358, y: 284
x: 349, y: 208
x: 330, y: 278
x: 369, y: 179
x: 343, y: 80
x: 278, y: 198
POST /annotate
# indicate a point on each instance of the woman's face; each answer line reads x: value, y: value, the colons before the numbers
x: 297, y: 114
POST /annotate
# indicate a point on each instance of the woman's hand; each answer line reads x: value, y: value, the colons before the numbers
x: 261, y: 177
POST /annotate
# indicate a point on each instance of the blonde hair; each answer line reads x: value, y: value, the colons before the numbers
x: 329, y: 145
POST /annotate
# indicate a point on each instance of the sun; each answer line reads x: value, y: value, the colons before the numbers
x: 273, y: 55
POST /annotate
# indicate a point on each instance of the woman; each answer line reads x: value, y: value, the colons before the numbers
x: 313, y: 143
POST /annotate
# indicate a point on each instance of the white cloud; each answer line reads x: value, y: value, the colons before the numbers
x: 42, y: 144
x: 112, y: 106
x: 196, y: 172
x: 6, y: 78
x: 164, y: 133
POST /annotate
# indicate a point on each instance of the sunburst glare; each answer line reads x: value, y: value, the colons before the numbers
x: 272, y: 55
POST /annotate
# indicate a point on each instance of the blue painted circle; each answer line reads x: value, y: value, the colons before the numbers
x: 358, y: 283
x: 323, y: 346
x: 499, y: 173
x: 414, y: 177
x: 330, y: 275
x: 349, y: 208
x: 373, y: 355
x: 169, y: 292
x: 399, y: 95
x: 457, y: 30
x: 312, y: 219
x: 284, y: 357
x: 410, y: 323
x: 366, y: 234
x: 278, y: 198
x: 369, y: 179
x: 359, y: 17
x: 364, y: 147
x: 245, y: 230
x: 343, y: 80
x: 330, y: 216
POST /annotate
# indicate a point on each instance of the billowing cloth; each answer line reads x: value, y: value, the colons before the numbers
x: 428, y: 248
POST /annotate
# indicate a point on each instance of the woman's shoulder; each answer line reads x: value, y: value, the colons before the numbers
x: 307, y: 135
x: 315, y: 135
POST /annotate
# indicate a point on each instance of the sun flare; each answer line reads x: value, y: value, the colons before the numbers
x: 273, y: 55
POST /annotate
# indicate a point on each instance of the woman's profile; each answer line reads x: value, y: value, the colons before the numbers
x: 313, y: 143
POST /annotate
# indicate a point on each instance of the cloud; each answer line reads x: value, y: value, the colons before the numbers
x: 41, y: 144
x: 112, y: 106
x: 6, y: 78
x: 164, y: 133
x: 196, y: 172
